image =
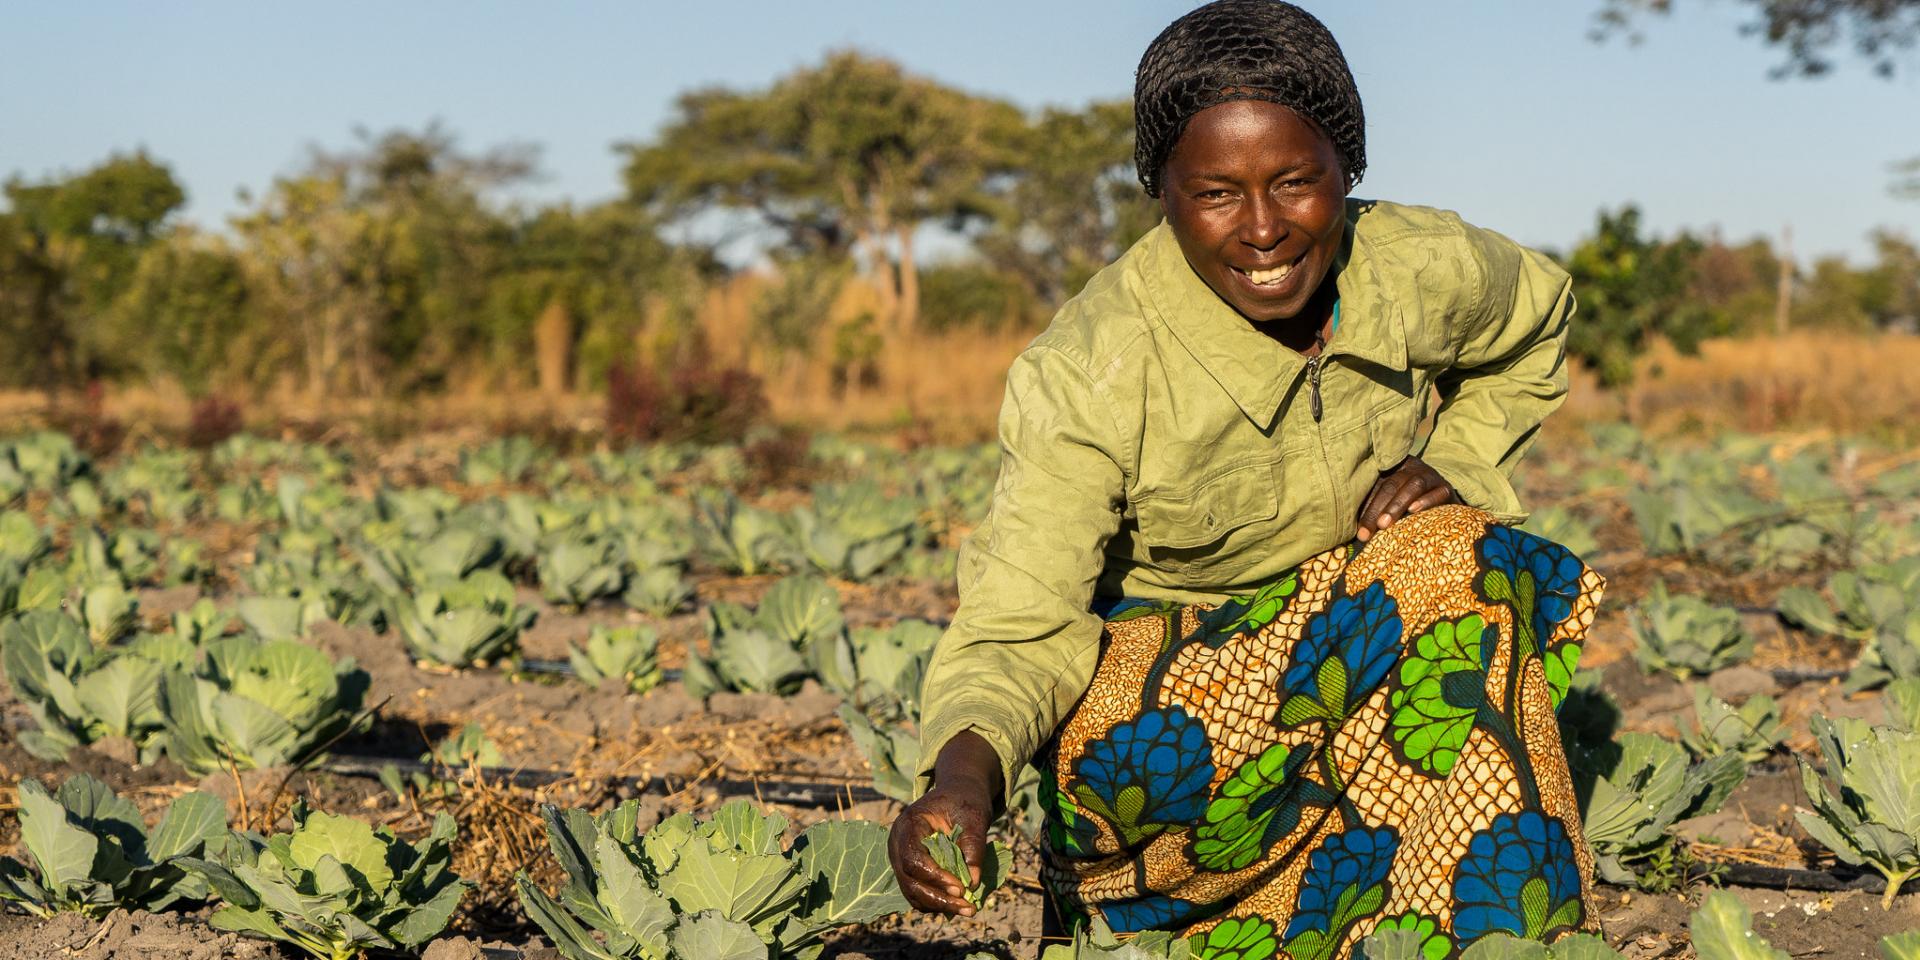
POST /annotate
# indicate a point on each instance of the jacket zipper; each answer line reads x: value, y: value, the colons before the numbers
x: 1313, y: 382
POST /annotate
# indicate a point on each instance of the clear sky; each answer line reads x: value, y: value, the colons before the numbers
x: 1501, y: 109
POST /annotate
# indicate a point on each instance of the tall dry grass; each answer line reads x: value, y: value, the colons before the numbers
x: 1852, y: 383
x: 946, y: 386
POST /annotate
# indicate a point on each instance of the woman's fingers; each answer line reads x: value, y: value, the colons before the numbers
x: 1438, y: 496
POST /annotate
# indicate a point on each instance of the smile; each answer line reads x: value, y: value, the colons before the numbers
x: 1271, y: 277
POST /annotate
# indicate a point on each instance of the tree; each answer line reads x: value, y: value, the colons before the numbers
x: 848, y: 158
x: 67, y: 246
x: 1878, y: 30
x: 1072, y: 204
x: 1631, y: 289
x: 185, y: 314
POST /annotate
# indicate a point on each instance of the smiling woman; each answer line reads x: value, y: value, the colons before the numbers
x: 1250, y: 729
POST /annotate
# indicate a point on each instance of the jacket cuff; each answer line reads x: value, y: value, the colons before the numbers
x: 990, y: 723
x: 1478, y: 485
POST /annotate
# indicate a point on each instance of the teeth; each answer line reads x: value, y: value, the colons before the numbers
x: 1269, y: 277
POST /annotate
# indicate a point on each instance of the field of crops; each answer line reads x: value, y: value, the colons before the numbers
x: 281, y: 699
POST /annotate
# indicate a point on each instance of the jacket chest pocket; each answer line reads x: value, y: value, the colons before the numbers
x: 1198, y: 526
x: 1391, y: 432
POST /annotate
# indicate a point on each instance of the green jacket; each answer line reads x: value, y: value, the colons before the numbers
x: 1155, y: 445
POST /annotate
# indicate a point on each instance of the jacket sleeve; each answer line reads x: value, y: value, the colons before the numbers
x: 1509, y: 371
x: 1023, y: 645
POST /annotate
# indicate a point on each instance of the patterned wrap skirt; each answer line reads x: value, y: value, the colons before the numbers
x: 1368, y: 742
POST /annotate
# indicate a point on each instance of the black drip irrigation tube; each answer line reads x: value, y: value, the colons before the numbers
x: 816, y: 794
x: 562, y: 668
x: 1791, y: 676
x: 1794, y: 878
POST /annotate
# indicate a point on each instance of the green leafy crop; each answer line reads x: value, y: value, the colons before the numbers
x: 257, y: 703
x: 576, y: 571
x: 335, y: 887
x: 771, y: 649
x: 1878, y: 604
x: 1686, y: 636
x: 854, y: 531
x: 1722, y: 929
x: 627, y: 654
x: 739, y: 538
x: 1753, y: 730
x: 945, y: 848
x: 1867, y: 807
x: 718, y: 889
x: 90, y: 852
x: 75, y: 692
x: 462, y: 622
x: 1643, y: 789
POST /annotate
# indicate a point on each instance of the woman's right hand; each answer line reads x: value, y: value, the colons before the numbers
x: 966, y: 782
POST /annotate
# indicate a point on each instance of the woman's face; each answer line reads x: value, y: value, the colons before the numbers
x: 1256, y: 197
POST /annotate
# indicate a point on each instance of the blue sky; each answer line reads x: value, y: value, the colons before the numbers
x: 1501, y: 109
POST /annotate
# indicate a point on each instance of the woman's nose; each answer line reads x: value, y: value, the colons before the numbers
x: 1263, y: 226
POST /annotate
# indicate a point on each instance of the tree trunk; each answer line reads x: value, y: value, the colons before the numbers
x: 553, y: 348
x: 909, y: 280
x: 1783, y: 305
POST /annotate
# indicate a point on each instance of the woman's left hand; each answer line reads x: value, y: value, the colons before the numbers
x: 1408, y: 488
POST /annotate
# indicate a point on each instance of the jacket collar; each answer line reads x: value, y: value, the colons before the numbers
x: 1254, y: 370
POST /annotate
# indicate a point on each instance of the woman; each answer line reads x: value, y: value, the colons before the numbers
x: 1286, y: 681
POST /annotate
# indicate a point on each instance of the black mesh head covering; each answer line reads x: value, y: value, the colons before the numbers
x: 1244, y: 50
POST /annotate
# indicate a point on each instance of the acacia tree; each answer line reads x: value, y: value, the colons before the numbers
x: 848, y: 158
x: 1072, y: 205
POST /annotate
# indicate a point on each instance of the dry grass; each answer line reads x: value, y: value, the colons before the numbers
x: 946, y: 386
x: 1838, y: 382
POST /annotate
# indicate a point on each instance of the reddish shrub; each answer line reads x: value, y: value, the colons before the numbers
x: 212, y: 420
x: 696, y: 401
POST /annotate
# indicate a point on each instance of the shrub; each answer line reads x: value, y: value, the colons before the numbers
x: 695, y: 401
x: 212, y: 421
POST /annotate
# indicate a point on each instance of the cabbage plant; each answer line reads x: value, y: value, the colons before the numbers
x: 335, y: 886
x: 1564, y: 527
x: 89, y: 852
x: 1753, y: 729
x: 501, y: 460
x: 77, y: 693
x: 854, y: 531
x: 739, y: 538
x: 21, y: 540
x: 1877, y: 604
x: 1865, y: 809
x: 629, y: 654
x: 768, y: 650
x: 575, y: 572
x: 657, y: 590
x: 1643, y: 789
x: 257, y: 703
x: 459, y: 623
x: 1686, y: 636
x: 718, y: 889
x: 892, y: 752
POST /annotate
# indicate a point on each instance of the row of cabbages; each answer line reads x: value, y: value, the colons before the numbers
x: 240, y: 687
x: 725, y: 888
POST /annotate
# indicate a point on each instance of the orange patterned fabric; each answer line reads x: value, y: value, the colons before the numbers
x: 1368, y: 742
